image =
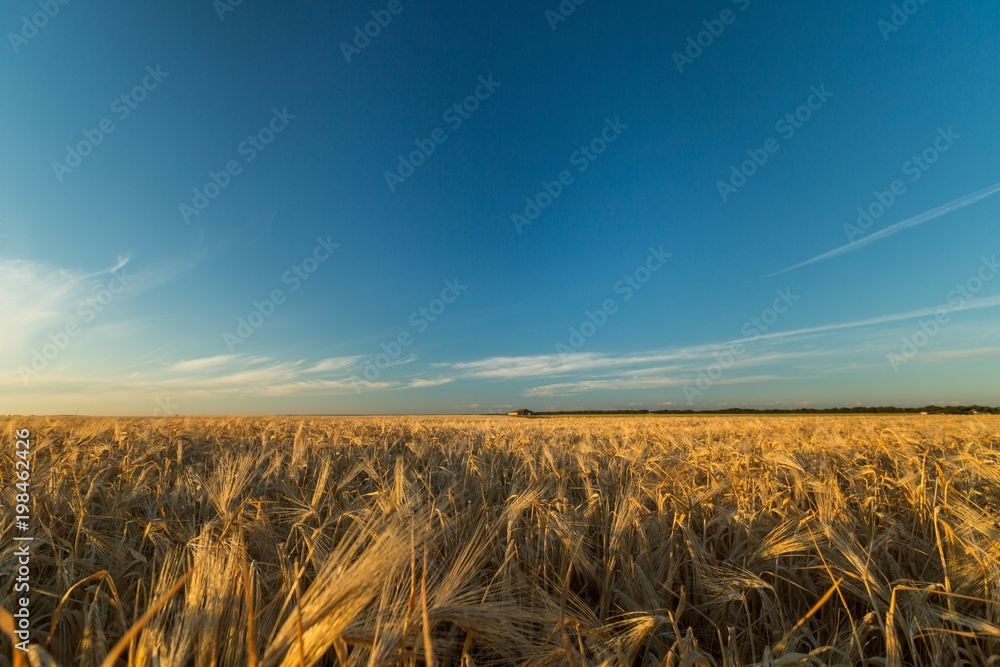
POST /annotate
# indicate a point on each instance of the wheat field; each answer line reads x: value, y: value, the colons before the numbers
x: 475, y: 541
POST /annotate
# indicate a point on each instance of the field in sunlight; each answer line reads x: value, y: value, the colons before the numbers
x: 501, y: 541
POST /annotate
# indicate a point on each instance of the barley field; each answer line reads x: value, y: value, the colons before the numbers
x: 475, y: 541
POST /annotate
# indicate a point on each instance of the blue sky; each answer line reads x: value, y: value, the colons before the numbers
x: 214, y: 208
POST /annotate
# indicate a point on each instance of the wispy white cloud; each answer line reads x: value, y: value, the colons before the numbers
x: 229, y: 374
x: 205, y: 363
x: 418, y: 383
x: 677, y: 367
x: 548, y: 365
x: 559, y: 364
x: 36, y: 298
x: 972, y: 304
x: 620, y: 384
x: 927, y: 216
x: 334, y: 364
x: 952, y: 355
x: 41, y: 297
x: 39, y: 300
x: 325, y: 387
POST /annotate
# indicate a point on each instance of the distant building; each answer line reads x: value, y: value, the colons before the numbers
x: 523, y: 412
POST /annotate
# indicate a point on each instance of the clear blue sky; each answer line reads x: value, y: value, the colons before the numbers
x: 659, y: 236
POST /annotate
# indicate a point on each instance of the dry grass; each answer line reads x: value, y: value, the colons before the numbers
x: 496, y: 541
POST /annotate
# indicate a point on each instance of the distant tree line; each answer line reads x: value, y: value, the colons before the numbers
x: 929, y: 409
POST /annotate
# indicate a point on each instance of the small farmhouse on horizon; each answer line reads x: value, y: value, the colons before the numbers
x: 523, y: 412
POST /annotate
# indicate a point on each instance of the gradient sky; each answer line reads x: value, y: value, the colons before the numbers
x: 116, y: 301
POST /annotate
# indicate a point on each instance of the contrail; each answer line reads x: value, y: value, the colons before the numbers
x: 961, y: 202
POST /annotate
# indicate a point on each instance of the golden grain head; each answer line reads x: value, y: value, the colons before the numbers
x: 492, y: 541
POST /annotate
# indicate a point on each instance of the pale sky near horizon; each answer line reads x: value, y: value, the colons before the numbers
x: 215, y: 208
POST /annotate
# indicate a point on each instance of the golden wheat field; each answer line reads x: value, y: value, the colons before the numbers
x: 684, y: 541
